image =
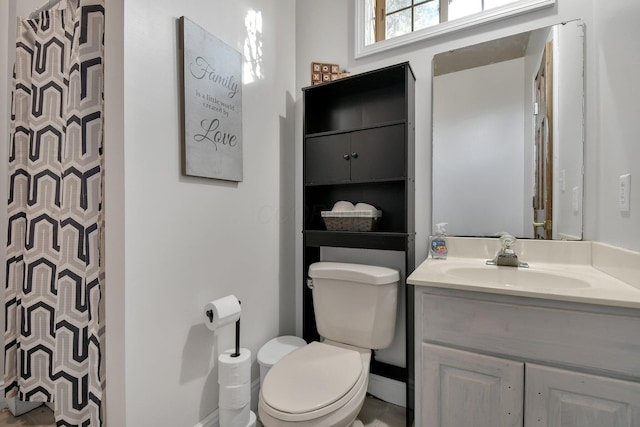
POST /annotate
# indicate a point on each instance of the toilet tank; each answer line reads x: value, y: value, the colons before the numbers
x: 355, y: 304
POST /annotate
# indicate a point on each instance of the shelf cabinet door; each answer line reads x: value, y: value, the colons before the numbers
x: 560, y: 398
x: 462, y: 389
x: 378, y: 153
x: 360, y: 156
x: 325, y: 161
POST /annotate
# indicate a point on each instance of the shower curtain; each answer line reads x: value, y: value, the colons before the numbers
x: 55, y: 275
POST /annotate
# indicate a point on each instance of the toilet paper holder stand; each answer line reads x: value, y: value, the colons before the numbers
x: 237, y: 349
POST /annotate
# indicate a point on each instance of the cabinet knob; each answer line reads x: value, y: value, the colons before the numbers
x: 346, y: 157
x: 354, y: 155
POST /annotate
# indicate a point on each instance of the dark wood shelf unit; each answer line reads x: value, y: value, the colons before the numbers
x: 357, y: 102
x: 374, y: 126
x: 388, y: 196
x: 359, y: 145
x: 361, y: 240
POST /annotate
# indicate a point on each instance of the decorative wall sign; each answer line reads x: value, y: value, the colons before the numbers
x: 212, y: 109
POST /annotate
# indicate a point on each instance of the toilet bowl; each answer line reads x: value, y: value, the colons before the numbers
x: 324, y: 383
x: 320, y: 385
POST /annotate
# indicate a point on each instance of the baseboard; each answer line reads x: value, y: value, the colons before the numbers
x: 387, y: 389
x: 213, y: 419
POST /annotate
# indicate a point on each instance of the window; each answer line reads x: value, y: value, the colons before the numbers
x: 384, y: 24
x: 397, y: 17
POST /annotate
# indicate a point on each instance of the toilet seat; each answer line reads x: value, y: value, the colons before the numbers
x: 314, y: 381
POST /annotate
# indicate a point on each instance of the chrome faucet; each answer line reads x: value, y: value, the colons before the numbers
x: 507, y: 256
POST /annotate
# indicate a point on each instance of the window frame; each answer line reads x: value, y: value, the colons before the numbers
x: 512, y: 9
x: 381, y: 15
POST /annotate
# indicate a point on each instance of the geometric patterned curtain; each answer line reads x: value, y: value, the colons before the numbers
x: 55, y: 274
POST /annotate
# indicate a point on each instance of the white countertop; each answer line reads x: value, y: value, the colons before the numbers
x: 561, y: 281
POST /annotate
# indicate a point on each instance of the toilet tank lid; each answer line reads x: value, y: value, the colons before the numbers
x: 369, y: 274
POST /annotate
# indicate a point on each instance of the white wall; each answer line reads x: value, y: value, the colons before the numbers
x: 478, y: 126
x: 613, y: 120
x: 174, y: 242
x: 186, y: 240
x: 612, y: 91
x: 114, y: 193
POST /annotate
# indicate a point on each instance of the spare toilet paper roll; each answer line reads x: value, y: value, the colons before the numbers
x: 234, y: 370
x: 234, y: 396
x: 240, y: 417
x: 221, y: 312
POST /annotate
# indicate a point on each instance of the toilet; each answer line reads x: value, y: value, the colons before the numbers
x: 323, y: 384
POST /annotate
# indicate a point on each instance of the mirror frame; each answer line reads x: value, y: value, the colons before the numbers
x: 506, y: 11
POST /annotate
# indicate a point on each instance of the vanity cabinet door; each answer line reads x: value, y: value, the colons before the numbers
x: 463, y: 389
x: 559, y: 398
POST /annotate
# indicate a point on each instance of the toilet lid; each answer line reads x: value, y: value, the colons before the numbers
x: 311, y: 378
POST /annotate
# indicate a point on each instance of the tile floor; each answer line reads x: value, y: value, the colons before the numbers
x: 378, y: 413
x: 375, y: 413
x: 39, y: 417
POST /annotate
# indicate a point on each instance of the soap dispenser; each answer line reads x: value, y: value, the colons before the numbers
x: 438, y: 243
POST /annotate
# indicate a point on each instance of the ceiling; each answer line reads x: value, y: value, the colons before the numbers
x: 491, y: 52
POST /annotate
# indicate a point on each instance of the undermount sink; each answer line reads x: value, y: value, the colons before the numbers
x: 525, y: 278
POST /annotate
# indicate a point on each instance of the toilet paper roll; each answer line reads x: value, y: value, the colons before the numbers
x: 234, y: 370
x: 234, y: 396
x: 221, y: 312
x: 235, y: 417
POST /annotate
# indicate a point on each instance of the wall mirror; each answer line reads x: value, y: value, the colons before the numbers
x: 508, y: 135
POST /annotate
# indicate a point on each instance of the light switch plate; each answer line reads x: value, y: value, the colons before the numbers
x: 625, y: 190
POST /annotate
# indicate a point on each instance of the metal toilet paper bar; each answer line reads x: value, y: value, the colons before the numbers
x: 237, y: 349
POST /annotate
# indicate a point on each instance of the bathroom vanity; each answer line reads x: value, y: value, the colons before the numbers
x: 554, y: 345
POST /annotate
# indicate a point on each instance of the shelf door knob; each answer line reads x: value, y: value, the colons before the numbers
x: 346, y: 157
x: 354, y: 155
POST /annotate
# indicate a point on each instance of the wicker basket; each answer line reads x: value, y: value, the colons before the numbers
x: 351, y: 220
